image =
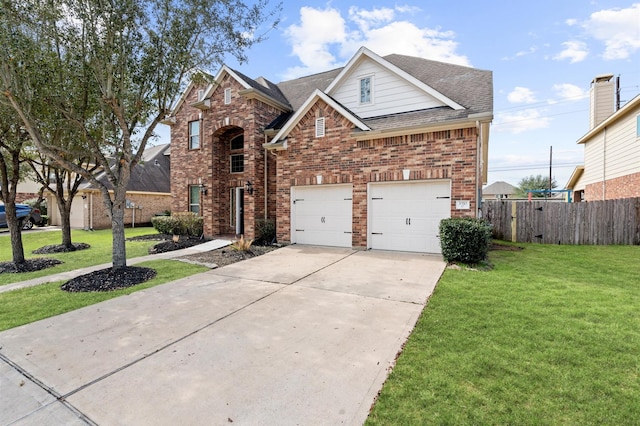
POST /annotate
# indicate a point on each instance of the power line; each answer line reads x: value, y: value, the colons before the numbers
x: 532, y: 167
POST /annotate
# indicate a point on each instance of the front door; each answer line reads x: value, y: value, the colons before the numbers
x: 239, y: 207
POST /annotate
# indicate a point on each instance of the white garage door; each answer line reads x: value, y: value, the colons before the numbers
x: 406, y: 216
x: 321, y: 215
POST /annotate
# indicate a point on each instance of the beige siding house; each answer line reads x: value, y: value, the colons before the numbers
x: 611, y: 148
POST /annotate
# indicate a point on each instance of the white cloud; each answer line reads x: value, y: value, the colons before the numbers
x: 571, y: 92
x: 574, y: 51
x: 311, y: 38
x: 617, y: 29
x: 521, y: 95
x: 323, y: 39
x: 521, y: 121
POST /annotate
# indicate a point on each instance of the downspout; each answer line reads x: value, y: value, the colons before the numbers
x: 91, y: 210
x: 266, y: 182
x: 478, y: 167
x: 604, y: 165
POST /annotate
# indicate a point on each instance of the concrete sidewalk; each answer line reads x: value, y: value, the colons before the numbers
x: 65, y: 276
x: 301, y: 335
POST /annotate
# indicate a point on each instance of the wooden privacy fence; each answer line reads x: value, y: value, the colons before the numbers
x: 594, y: 222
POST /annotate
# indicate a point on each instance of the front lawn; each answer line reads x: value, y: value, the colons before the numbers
x: 550, y: 336
x: 31, y: 304
x: 100, y: 251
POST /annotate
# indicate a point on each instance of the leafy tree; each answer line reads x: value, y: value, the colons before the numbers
x: 534, y: 182
x: 12, y: 139
x: 132, y: 57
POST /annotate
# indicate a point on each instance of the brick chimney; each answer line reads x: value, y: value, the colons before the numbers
x: 603, y: 91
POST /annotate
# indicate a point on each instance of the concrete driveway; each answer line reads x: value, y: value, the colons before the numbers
x: 302, y: 335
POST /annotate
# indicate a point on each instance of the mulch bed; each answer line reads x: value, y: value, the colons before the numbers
x: 60, y: 248
x: 109, y: 279
x: 226, y: 255
x: 29, y: 265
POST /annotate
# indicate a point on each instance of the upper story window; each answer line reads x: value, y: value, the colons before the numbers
x: 227, y: 96
x: 237, y: 143
x: 638, y: 126
x: 194, y: 134
x: 319, y: 127
x: 366, y: 90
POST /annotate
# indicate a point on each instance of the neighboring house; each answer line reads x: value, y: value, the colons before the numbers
x: 611, y: 147
x: 498, y: 190
x: 148, y: 193
x: 371, y: 155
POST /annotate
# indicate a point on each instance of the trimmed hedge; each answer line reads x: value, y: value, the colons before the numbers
x: 187, y: 224
x: 465, y: 240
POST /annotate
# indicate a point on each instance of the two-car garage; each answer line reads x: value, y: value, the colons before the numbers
x: 402, y: 216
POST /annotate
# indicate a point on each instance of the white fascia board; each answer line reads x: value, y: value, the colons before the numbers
x: 317, y: 94
x: 363, y: 51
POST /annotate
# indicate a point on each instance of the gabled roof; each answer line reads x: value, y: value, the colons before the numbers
x: 499, y: 187
x: 364, y: 52
x: 466, y: 93
x: 150, y: 175
x: 318, y: 95
x: 575, y: 178
x: 633, y: 103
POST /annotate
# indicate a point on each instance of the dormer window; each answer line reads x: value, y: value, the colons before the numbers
x: 200, y: 95
x: 227, y: 96
x: 320, y: 127
x: 366, y: 90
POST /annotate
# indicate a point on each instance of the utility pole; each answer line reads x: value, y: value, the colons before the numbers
x: 550, y: 166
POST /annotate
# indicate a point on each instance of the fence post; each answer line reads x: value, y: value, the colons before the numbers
x: 514, y: 227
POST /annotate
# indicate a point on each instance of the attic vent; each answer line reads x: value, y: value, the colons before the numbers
x: 320, y: 127
x: 227, y: 96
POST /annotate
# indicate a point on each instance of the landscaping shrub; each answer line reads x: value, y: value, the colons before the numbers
x: 187, y: 224
x: 465, y: 240
x: 265, y: 232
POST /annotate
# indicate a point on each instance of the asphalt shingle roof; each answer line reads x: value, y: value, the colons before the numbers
x: 470, y: 87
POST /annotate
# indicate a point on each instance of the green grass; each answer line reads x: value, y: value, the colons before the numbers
x: 31, y: 304
x: 100, y: 251
x: 550, y: 336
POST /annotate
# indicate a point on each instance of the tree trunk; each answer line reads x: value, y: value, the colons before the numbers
x: 13, y: 224
x: 119, y: 253
x: 65, y: 222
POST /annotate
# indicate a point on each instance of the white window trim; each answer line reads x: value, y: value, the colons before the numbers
x: 191, y: 203
x: 371, y: 91
x: 227, y: 96
x: 200, y: 95
x: 192, y: 135
x: 320, y: 127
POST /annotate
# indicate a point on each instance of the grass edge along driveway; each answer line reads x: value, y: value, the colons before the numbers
x: 99, y: 252
x: 551, y: 335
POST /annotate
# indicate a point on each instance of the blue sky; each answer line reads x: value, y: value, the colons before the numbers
x: 543, y: 55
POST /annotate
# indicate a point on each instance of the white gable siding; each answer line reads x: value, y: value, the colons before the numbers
x: 390, y: 93
x: 620, y: 151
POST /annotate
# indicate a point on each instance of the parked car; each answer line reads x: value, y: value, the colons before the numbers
x: 26, y: 215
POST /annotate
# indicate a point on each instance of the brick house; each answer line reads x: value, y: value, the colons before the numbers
x: 371, y: 155
x: 148, y: 193
x: 611, y: 167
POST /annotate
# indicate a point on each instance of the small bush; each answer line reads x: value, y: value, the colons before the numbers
x: 188, y: 224
x: 465, y: 240
x: 242, y: 244
x: 265, y: 232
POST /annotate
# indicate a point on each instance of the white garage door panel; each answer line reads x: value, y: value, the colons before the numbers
x: 322, y: 215
x: 406, y: 216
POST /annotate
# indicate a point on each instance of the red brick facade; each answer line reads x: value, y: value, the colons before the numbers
x: 210, y: 164
x: 344, y: 155
x: 339, y: 158
x: 623, y: 187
